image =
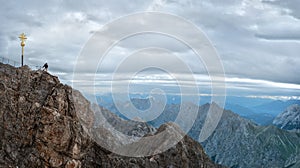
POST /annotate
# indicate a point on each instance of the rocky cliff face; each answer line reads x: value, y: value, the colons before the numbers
x: 289, y: 119
x: 39, y: 128
x: 238, y: 142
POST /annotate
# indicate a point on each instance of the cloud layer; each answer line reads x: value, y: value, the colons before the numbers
x: 256, y: 40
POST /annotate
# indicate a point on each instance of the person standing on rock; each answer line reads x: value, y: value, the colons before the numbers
x: 45, y: 67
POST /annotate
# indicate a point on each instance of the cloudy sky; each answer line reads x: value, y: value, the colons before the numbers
x: 258, y: 41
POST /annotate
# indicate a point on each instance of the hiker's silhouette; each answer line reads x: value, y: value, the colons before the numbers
x: 45, y: 67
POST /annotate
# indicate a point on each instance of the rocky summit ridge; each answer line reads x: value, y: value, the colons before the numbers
x: 289, y: 119
x: 39, y: 127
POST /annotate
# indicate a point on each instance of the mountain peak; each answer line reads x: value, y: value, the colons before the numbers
x: 289, y: 119
x: 40, y: 127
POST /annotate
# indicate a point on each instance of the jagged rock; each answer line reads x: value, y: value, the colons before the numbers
x: 40, y: 127
x: 238, y: 142
x: 289, y: 119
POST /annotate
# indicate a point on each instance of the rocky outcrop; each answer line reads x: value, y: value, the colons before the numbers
x: 40, y: 127
x: 289, y: 119
x: 238, y: 142
x: 38, y: 124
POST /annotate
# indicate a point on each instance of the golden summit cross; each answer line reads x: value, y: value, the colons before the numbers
x: 22, y: 38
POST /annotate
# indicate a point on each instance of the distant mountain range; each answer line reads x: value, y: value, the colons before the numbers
x: 237, y: 142
x: 262, y: 114
x: 274, y: 107
x: 261, y: 111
